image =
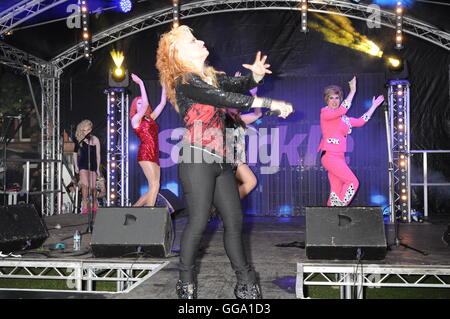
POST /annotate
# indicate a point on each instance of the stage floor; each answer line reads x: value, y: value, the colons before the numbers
x: 276, y: 266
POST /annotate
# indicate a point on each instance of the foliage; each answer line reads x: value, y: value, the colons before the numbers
x: 15, y: 95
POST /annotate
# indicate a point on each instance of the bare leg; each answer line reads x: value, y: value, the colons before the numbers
x: 152, y: 172
x: 247, y: 180
x: 93, y: 186
x: 84, y: 181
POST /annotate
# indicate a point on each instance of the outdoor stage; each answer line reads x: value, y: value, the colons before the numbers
x: 276, y: 266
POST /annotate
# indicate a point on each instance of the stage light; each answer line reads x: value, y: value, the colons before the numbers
x: 399, y: 25
x: 304, y: 15
x: 175, y: 11
x: 118, y: 76
x: 84, y: 11
x: 125, y: 6
x: 394, y: 63
x: 397, y: 69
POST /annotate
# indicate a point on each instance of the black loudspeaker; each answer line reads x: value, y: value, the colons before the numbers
x: 21, y: 228
x: 345, y: 233
x: 130, y: 231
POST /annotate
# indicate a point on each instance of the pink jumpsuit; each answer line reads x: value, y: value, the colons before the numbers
x: 335, y: 127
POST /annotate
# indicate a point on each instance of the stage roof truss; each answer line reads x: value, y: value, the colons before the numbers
x: 199, y: 8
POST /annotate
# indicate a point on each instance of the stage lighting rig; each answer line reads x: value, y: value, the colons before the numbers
x: 86, y: 36
x: 118, y: 75
x: 176, y: 13
x: 304, y: 13
x: 399, y: 11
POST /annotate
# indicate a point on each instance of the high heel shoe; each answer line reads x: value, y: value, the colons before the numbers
x: 186, y: 290
x: 247, y: 291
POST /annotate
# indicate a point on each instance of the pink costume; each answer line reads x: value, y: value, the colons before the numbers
x: 335, y: 127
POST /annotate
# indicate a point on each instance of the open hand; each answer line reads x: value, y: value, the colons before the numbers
x: 284, y: 108
x: 376, y: 102
x: 136, y: 79
x: 352, y: 84
x: 259, y: 67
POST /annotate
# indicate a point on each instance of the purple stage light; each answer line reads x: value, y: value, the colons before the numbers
x: 125, y: 6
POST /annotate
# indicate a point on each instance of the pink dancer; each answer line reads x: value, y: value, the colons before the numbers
x: 335, y: 127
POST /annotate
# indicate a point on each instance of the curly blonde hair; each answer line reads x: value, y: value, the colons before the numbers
x: 171, y: 67
x: 79, y: 134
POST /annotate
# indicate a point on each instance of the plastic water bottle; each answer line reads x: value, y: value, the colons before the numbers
x: 77, y: 240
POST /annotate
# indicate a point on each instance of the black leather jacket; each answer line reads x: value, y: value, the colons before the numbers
x: 203, y: 103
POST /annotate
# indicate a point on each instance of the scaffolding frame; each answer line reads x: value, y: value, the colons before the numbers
x: 400, y: 175
x: 81, y: 275
x: 117, y: 181
x: 352, y: 278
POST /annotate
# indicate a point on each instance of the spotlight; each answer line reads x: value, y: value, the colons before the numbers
x: 125, y: 6
x: 397, y: 69
x: 394, y: 63
x: 118, y: 76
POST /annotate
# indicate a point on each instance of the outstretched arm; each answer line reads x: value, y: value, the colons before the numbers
x: 140, y: 112
x: 256, y: 114
x: 376, y: 102
x: 157, y: 111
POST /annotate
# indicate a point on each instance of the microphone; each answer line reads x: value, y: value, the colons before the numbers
x: 275, y: 112
x: 13, y: 116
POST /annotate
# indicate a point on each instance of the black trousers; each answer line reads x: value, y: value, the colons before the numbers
x: 204, y: 185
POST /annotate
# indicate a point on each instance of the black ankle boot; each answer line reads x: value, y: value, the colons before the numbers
x: 247, y: 291
x: 186, y: 290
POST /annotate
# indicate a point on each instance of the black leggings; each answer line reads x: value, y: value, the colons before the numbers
x: 203, y: 185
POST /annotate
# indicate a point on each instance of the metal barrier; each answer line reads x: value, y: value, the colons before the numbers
x: 25, y: 187
x: 357, y: 276
x: 425, y: 183
x: 80, y: 275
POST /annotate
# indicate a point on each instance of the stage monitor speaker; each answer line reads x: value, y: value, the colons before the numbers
x: 130, y: 231
x: 21, y: 228
x: 345, y: 233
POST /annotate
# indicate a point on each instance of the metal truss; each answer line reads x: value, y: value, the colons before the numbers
x: 399, y: 101
x: 117, y: 182
x: 24, y: 10
x: 199, y: 8
x: 358, y: 276
x: 80, y: 275
x: 51, y: 146
x: 23, y: 61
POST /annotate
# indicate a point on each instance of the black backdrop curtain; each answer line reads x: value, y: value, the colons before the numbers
x: 302, y: 66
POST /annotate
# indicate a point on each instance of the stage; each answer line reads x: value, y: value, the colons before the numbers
x: 276, y: 266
